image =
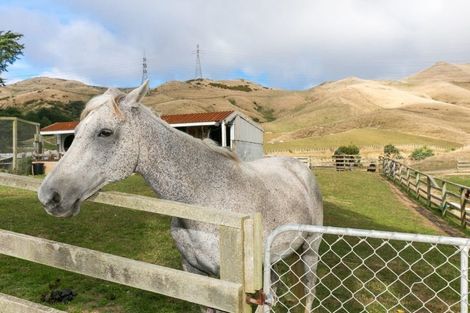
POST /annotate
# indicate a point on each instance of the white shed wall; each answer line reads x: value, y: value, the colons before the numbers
x: 247, y: 142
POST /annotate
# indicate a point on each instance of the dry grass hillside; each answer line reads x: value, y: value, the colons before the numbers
x: 34, y: 93
x: 430, y: 107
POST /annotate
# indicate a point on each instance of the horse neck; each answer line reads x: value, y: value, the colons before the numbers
x: 179, y: 167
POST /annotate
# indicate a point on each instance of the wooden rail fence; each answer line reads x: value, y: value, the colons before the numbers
x: 240, y: 255
x: 463, y: 166
x: 450, y: 198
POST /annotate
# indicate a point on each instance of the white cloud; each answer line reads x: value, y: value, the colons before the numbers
x: 286, y: 43
x: 57, y: 73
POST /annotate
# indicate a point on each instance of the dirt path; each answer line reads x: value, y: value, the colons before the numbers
x: 430, y: 218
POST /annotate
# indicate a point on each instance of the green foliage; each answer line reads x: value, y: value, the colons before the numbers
x: 232, y: 101
x: 268, y: 114
x: 48, y: 115
x: 10, y: 50
x: 421, y: 153
x: 391, y: 151
x: 244, y: 88
x: 349, y: 150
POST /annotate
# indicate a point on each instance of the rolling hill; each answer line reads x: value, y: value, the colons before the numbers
x: 429, y: 107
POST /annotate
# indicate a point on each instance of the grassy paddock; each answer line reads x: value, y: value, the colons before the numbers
x: 360, y: 137
x: 352, y: 199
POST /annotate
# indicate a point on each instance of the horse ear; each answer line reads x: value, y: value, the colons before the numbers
x: 135, y: 96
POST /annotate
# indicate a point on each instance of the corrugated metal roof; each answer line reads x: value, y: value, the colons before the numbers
x: 170, y: 119
x: 196, y: 117
x: 60, y: 126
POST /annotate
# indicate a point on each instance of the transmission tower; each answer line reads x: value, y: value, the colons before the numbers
x: 198, y: 72
x: 145, y: 75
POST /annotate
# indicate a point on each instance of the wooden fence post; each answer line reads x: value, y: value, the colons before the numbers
x: 408, y: 178
x: 463, y: 204
x: 444, y: 198
x: 232, y: 259
x: 428, y: 190
x: 15, y: 145
x: 418, y: 177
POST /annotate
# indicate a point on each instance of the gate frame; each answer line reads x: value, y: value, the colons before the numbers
x: 462, y: 243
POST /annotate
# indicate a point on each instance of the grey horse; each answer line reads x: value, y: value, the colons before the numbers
x: 118, y: 136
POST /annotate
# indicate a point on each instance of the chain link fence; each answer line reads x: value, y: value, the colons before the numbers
x: 368, y: 271
x: 17, y: 144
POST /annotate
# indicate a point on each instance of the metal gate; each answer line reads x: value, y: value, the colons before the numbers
x: 368, y: 271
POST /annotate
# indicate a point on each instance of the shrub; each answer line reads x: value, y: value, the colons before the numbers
x: 421, y: 153
x: 391, y: 151
x: 351, y: 150
x: 244, y: 88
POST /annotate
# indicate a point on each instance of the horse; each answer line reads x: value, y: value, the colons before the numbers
x: 118, y: 136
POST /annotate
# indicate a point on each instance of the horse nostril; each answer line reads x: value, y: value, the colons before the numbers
x: 55, y: 197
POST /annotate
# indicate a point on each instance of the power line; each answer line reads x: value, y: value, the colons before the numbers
x: 198, y: 72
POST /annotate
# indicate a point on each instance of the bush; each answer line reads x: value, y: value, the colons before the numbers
x: 421, y: 153
x: 244, y: 88
x: 350, y: 150
x: 391, y: 151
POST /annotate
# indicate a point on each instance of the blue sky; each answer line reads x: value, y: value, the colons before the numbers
x: 286, y: 44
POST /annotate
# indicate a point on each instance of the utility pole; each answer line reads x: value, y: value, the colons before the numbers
x: 198, y: 72
x: 145, y: 75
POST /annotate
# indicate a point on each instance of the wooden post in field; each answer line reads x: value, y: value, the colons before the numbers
x: 15, y: 145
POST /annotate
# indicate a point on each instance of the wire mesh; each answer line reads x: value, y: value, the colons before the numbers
x: 17, y: 153
x: 364, y: 274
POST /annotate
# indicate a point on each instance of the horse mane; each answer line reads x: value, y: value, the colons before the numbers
x: 209, y: 143
x: 220, y: 150
x: 98, y: 101
x: 116, y: 96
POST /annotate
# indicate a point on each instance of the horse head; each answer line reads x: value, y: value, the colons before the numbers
x: 105, y: 149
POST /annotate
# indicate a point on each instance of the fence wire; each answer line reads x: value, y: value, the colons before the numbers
x: 368, y: 271
x: 17, y: 147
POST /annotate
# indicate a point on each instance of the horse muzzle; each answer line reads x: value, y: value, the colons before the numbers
x: 55, y: 205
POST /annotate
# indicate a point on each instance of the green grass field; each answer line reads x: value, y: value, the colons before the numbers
x: 352, y: 199
x: 460, y: 179
x: 359, y: 137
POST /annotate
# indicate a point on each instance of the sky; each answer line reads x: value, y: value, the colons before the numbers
x: 292, y: 44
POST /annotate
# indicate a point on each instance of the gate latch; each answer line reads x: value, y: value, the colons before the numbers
x: 258, y: 298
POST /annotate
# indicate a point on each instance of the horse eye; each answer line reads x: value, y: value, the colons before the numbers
x: 105, y: 132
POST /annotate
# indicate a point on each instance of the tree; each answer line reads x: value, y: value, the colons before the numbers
x: 421, y: 153
x: 391, y: 151
x: 350, y: 150
x: 10, y: 50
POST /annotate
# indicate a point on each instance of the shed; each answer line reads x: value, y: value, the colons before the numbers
x: 64, y: 133
x: 231, y: 129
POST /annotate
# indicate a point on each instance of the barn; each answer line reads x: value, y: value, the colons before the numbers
x: 230, y: 129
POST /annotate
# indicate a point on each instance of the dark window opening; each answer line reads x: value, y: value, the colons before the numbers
x: 68, y: 141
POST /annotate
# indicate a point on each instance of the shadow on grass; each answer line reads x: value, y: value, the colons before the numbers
x: 335, y: 215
